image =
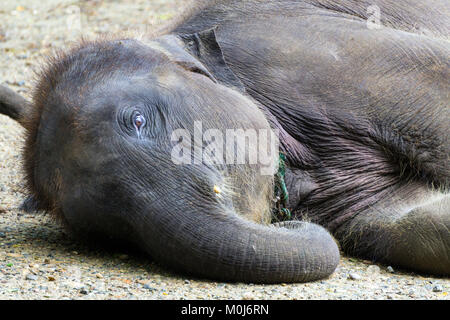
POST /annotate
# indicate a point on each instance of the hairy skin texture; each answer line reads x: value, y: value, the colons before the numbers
x: 363, y: 118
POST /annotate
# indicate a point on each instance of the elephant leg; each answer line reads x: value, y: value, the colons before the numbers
x: 410, y: 230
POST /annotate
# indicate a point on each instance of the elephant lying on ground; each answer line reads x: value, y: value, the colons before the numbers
x: 362, y: 116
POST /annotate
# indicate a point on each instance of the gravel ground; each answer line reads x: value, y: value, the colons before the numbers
x: 37, y: 259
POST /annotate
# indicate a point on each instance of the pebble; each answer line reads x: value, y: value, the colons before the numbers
x: 31, y: 277
x: 373, y: 269
x: 148, y: 287
x: 437, y: 288
x: 248, y: 296
x: 84, y: 291
x: 2, y: 235
x: 354, y: 276
x: 390, y: 269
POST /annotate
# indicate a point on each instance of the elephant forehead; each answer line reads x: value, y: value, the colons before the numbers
x: 157, y: 46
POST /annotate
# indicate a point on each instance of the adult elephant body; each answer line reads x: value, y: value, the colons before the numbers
x: 363, y: 120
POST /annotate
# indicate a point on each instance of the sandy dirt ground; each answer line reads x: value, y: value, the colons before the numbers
x: 39, y: 261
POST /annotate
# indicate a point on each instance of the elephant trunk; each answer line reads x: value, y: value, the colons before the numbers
x: 224, y: 246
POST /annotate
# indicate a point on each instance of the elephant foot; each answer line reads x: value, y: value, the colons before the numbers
x: 413, y: 235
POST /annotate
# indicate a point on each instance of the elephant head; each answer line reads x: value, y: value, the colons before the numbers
x: 100, y: 155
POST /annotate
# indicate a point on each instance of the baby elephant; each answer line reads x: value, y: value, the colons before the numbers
x: 179, y: 143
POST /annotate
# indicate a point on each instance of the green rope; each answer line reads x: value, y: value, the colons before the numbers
x: 280, y: 191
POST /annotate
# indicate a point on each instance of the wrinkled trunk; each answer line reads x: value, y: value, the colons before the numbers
x: 224, y: 246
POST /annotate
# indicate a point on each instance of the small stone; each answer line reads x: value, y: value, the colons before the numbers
x: 390, y: 269
x: 84, y: 291
x: 354, y: 276
x: 373, y: 269
x: 437, y: 288
x: 2, y: 235
x: 31, y: 277
x: 51, y: 278
x: 99, y: 276
x: 74, y: 285
x: 187, y: 282
x: 148, y: 287
x: 248, y: 296
x: 34, y: 270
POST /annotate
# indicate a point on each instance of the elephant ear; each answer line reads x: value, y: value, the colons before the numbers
x: 204, y: 46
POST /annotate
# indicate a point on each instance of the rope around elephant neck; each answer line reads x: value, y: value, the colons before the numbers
x: 281, y: 194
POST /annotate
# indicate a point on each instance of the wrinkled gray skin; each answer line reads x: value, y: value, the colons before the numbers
x: 366, y: 115
x: 363, y: 118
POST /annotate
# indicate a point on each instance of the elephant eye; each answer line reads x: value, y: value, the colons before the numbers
x: 139, y: 121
